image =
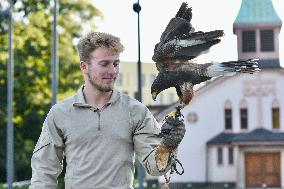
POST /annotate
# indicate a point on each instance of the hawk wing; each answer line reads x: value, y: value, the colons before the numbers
x: 179, y: 43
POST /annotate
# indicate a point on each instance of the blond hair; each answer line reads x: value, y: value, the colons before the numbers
x: 93, y: 40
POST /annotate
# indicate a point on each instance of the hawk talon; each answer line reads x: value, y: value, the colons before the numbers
x: 175, y: 114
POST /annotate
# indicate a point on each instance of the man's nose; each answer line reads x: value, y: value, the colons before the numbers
x: 113, y: 69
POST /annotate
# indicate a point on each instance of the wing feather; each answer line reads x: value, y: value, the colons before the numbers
x: 180, y: 42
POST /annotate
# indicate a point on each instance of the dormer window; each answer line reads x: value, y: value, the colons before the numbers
x: 249, y: 41
x: 267, y: 40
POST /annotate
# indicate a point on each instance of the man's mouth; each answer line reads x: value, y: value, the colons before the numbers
x: 109, y: 79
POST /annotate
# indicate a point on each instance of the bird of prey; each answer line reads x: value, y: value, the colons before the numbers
x: 179, y: 44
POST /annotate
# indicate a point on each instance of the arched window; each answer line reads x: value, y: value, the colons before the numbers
x: 275, y: 114
x: 228, y: 115
x: 244, y: 114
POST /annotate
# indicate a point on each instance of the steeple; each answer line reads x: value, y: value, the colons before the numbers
x: 257, y: 27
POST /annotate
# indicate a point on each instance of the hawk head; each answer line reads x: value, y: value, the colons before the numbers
x: 164, y: 80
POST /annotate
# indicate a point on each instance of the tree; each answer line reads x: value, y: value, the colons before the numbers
x: 32, y: 55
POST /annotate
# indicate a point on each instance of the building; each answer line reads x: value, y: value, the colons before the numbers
x: 127, y: 83
x: 235, y: 125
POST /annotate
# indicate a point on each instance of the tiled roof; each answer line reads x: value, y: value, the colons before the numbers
x: 222, y: 138
x: 271, y: 63
x: 257, y: 11
x: 257, y: 135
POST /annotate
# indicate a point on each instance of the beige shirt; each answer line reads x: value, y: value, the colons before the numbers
x: 98, y: 145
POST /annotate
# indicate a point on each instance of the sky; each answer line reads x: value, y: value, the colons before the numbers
x: 119, y: 19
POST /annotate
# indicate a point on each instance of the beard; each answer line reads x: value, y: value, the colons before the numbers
x: 98, y: 86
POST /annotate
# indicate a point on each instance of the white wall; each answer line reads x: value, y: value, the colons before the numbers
x: 224, y: 172
x: 208, y: 104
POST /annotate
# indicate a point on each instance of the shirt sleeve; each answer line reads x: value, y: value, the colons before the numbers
x: 46, y: 161
x: 146, y: 139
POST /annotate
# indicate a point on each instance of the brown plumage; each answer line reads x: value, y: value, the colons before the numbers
x: 178, y: 44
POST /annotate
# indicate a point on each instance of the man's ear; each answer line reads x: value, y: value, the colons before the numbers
x: 83, y: 66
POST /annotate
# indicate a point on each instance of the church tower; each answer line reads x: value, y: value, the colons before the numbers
x: 257, y: 27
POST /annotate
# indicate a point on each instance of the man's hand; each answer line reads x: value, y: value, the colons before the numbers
x: 172, y: 132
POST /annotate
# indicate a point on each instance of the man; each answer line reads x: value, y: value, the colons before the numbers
x: 99, y: 130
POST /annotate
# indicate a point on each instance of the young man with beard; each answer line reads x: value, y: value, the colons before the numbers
x: 99, y: 129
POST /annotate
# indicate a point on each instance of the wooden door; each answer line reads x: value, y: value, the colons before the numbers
x: 262, y: 169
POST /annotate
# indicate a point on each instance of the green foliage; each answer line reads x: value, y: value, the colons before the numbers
x: 32, y: 70
x: 16, y: 187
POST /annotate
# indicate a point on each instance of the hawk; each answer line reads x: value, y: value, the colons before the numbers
x: 179, y: 44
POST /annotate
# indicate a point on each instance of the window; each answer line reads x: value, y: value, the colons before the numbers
x: 142, y: 80
x: 275, y: 114
x: 249, y: 42
x: 244, y: 118
x: 119, y: 80
x: 228, y: 119
x: 220, y: 156
x: 228, y: 115
x: 152, y: 78
x: 244, y: 114
x: 231, y: 156
x: 275, y: 118
x: 267, y: 40
x: 127, y: 79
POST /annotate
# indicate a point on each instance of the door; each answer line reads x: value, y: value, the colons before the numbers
x: 262, y: 169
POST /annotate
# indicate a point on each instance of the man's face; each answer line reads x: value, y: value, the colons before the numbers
x: 103, y: 69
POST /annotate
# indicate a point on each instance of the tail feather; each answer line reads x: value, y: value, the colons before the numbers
x: 232, y: 67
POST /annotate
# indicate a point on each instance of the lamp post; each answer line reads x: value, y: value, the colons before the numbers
x: 137, y: 9
x: 7, y: 14
x: 54, y: 60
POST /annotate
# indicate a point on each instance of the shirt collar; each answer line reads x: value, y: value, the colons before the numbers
x: 81, y: 102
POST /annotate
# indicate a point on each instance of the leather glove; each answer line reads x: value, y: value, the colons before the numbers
x: 172, y: 132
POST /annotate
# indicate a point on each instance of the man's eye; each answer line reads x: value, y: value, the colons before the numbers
x: 104, y: 64
x: 115, y: 64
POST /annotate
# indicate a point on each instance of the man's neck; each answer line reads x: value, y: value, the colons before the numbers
x: 95, y: 97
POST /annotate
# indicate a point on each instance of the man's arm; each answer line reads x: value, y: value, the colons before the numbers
x: 46, y: 161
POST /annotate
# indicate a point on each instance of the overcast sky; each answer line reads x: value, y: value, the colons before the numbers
x: 120, y: 19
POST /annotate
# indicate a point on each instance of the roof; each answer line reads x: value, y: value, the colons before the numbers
x: 268, y: 63
x: 257, y: 11
x: 257, y: 135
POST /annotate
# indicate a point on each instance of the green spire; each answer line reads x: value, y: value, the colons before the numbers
x: 257, y: 11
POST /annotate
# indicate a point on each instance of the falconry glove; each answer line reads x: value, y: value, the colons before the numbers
x: 172, y: 132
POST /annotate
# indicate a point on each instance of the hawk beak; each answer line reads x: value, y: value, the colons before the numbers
x: 154, y: 95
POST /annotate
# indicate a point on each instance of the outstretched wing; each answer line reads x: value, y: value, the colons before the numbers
x: 179, y: 25
x: 179, y: 43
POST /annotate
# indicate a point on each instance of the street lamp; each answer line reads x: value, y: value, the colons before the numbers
x: 137, y: 9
